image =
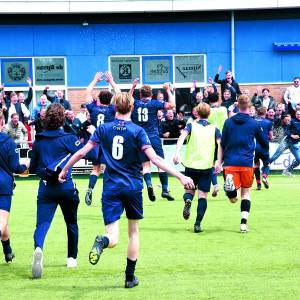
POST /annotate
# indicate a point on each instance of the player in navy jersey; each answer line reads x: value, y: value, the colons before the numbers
x: 9, y: 164
x: 121, y: 142
x: 101, y: 111
x: 51, y: 151
x: 260, y: 152
x: 145, y: 115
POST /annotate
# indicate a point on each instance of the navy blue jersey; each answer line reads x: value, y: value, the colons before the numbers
x: 121, y: 142
x: 51, y: 151
x: 266, y: 127
x: 294, y: 129
x: 145, y: 114
x: 9, y: 164
x: 100, y: 114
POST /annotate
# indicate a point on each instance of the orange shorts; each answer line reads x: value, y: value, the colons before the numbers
x: 242, y: 176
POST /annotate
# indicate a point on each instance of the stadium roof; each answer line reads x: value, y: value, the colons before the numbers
x: 137, y: 6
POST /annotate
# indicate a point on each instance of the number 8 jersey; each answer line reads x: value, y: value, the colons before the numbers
x: 100, y: 114
x: 145, y: 114
x: 121, y: 143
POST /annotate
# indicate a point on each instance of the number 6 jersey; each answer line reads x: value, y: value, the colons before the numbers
x: 121, y: 142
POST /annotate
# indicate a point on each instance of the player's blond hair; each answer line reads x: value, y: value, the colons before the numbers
x: 123, y: 102
x: 243, y: 102
x: 203, y: 110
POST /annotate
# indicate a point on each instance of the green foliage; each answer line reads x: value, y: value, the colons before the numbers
x: 174, y: 262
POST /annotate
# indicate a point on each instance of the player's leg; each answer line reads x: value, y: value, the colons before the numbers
x: 5, y: 204
x: 204, y: 182
x: 232, y: 183
x: 187, y: 198
x: 163, y: 176
x: 246, y: 183
x: 214, y: 181
x: 257, y: 170
x: 147, y: 177
x: 92, y: 182
x: 133, y: 203
x: 245, y: 208
x: 112, y: 209
x: 45, y: 212
x: 132, y: 254
x: 69, y: 206
x: 189, y: 194
x: 265, y: 170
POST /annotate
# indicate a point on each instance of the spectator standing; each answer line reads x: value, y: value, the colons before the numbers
x: 58, y: 98
x: 292, y: 93
x: 170, y: 127
x: 15, y: 107
x: 227, y: 83
x: 43, y: 103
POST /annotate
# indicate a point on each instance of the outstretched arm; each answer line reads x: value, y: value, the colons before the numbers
x: 187, y: 182
x: 134, y: 84
x: 110, y: 80
x: 91, y: 86
x: 171, y: 99
x: 74, y: 159
x: 180, y: 141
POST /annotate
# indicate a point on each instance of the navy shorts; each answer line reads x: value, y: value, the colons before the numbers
x: 263, y: 156
x: 5, y: 202
x: 201, y: 178
x: 114, y: 203
x: 156, y: 145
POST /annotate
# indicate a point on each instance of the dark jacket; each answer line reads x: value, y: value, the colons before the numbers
x: 258, y: 102
x: 224, y: 86
x: 65, y: 103
x: 238, y: 140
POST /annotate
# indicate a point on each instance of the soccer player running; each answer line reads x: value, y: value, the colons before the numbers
x: 121, y: 141
x: 101, y: 111
x: 238, y: 145
x: 9, y: 164
x: 51, y: 150
x: 199, y: 160
x: 145, y: 115
x: 260, y: 152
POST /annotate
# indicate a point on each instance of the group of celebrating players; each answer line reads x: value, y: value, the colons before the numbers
x: 124, y: 137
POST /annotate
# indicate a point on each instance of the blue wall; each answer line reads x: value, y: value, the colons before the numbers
x: 87, y: 48
x: 256, y: 61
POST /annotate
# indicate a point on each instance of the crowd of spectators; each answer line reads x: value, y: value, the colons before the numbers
x: 19, y: 119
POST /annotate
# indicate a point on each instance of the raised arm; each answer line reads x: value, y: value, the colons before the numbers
x: 134, y: 84
x: 171, y: 99
x: 91, y: 86
x: 28, y: 100
x: 110, y: 80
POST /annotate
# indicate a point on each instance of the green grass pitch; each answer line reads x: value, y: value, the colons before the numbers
x: 174, y: 262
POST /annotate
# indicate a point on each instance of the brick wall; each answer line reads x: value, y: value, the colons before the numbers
x: 78, y: 96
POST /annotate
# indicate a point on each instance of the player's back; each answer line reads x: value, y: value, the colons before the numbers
x: 100, y: 114
x: 121, y: 142
x: 145, y: 114
x: 51, y: 149
x: 266, y: 127
x: 238, y: 140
